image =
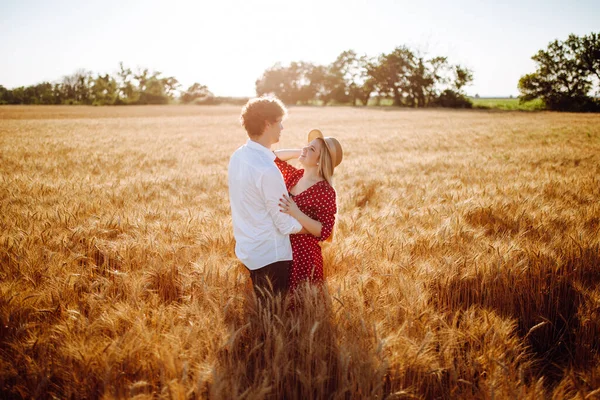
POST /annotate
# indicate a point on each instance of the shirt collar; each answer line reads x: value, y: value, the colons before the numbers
x: 257, y: 146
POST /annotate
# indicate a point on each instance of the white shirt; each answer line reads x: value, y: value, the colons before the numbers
x: 260, y: 230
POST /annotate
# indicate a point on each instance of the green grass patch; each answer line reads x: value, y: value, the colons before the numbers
x: 508, y: 104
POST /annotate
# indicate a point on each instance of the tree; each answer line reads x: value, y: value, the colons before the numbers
x: 291, y: 84
x: 43, y: 94
x: 462, y: 77
x: 350, y: 73
x: 317, y: 77
x: 563, y: 76
x: 3, y: 95
x: 196, y: 92
x: 127, y: 93
x: 17, y: 96
x: 151, y: 87
x: 76, y: 88
x: 589, y: 56
x: 453, y: 99
x: 393, y: 73
x: 104, y: 90
x: 276, y: 81
x: 420, y: 80
x: 303, y: 91
x: 365, y: 90
x: 152, y: 90
x: 334, y: 86
x: 438, y: 71
x: 347, y: 70
x: 170, y: 84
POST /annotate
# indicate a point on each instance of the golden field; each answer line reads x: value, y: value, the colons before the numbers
x: 465, y: 263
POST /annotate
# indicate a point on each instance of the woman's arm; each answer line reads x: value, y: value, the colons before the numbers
x: 321, y: 228
x: 309, y: 225
x: 287, y: 154
x: 287, y: 170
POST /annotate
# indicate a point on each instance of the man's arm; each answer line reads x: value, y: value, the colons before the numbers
x: 272, y: 188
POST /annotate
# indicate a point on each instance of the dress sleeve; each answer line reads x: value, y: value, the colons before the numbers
x: 326, y: 213
x: 286, y: 169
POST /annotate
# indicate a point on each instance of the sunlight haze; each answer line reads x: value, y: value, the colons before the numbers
x: 227, y: 45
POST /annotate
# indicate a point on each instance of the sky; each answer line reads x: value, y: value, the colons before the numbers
x: 228, y: 44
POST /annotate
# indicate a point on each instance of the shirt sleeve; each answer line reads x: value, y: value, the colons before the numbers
x: 326, y: 214
x: 286, y: 169
x: 272, y: 189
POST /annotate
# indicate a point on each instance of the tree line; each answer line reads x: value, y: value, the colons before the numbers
x: 567, y: 79
x: 127, y: 86
x: 404, y: 76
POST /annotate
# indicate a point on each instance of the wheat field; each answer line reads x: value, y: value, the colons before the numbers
x: 465, y: 263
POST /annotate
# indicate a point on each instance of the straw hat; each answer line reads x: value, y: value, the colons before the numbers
x: 333, y: 146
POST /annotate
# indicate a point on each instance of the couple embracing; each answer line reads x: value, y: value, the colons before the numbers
x: 281, y: 213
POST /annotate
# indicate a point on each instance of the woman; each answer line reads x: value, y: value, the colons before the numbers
x: 312, y: 201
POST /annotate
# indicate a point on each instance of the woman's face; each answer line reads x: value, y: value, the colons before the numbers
x: 311, y: 153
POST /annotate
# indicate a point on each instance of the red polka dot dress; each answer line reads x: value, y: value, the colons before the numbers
x: 317, y: 202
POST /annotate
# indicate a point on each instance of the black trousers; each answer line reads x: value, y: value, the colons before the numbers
x: 277, y: 273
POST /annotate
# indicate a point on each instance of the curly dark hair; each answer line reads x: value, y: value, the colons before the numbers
x: 258, y: 111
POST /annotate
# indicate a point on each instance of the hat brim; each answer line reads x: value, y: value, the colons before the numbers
x: 315, y: 133
x: 335, y: 153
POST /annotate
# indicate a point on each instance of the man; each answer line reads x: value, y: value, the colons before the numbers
x: 261, y: 231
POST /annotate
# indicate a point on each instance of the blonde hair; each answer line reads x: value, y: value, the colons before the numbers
x: 325, y: 163
x: 326, y: 171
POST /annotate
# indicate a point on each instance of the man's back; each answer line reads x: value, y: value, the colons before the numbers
x: 255, y: 186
